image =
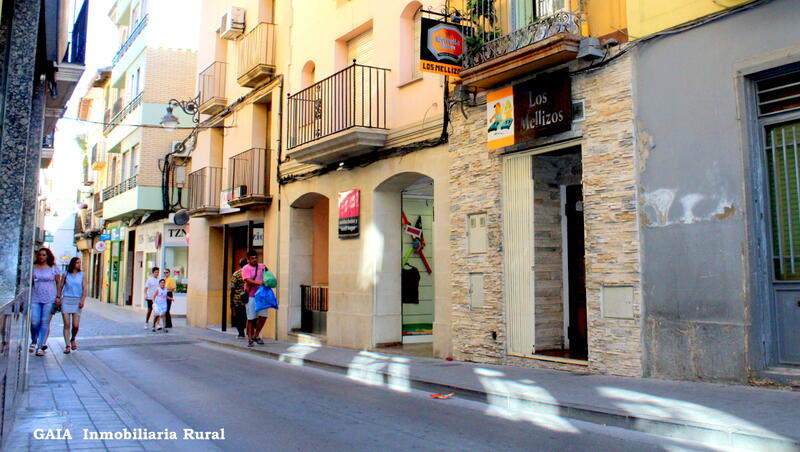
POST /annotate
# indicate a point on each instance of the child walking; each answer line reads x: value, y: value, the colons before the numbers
x: 160, y: 303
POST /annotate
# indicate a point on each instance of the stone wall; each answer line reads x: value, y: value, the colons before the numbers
x: 611, y: 227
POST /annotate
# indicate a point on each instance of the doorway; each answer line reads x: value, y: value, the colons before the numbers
x: 575, y: 269
x: 405, y: 293
x: 309, y: 272
x: 129, y: 269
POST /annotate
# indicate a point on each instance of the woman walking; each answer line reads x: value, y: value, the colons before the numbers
x: 45, y: 293
x: 74, y: 293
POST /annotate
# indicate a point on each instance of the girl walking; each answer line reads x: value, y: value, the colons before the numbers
x: 160, y: 305
x: 74, y: 293
x: 46, y: 292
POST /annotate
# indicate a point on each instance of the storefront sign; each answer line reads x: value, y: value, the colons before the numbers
x: 500, y: 118
x: 537, y: 108
x: 174, y: 235
x: 258, y: 237
x: 105, y: 237
x: 115, y: 234
x: 542, y: 106
x: 349, y: 210
x: 100, y: 246
x: 48, y: 238
x: 441, y: 47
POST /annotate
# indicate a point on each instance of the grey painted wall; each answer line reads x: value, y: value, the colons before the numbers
x: 694, y: 193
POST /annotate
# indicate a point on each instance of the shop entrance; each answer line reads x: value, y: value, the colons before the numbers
x: 405, y: 294
x: 545, y: 255
x: 308, y: 275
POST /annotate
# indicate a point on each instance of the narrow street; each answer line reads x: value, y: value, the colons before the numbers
x: 125, y: 378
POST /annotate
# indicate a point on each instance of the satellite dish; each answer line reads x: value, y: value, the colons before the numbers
x: 181, y: 217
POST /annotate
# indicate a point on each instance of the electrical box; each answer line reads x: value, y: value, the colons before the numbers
x: 476, y: 293
x: 617, y: 302
x: 232, y: 25
x: 477, y: 233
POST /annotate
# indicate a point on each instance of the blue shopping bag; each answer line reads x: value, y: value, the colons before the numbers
x: 265, y: 298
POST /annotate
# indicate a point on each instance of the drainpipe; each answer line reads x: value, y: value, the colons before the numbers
x: 278, y: 178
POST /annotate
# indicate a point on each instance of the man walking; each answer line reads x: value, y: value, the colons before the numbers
x: 239, y: 299
x: 150, y: 289
x: 253, y: 274
x: 169, y: 284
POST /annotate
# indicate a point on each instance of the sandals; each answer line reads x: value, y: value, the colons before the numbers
x: 258, y: 341
x: 250, y: 343
x: 73, y: 344
x: 67, y: 351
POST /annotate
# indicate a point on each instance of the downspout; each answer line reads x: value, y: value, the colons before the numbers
x: 278, y: 178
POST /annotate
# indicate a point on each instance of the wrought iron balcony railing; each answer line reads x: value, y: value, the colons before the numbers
x: 352, y: 97
x: 256, y: 53
x: 137, y: 29
x: 118, y: 113
x: 489, y: 43
x: 76, y: 48
x: 205, y: 185
x: 248, y: 174
x: 212, y: 88
x: 120, y: 188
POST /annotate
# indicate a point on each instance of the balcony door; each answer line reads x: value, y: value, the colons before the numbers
x: 525, y: 12
x: 361, y: 48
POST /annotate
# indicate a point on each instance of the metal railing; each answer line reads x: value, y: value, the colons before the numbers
x: 204, y: 186
x: 76, y: 48
x: 248, y: 174
x: 314, y: 298
x: 212, y: 82
x: 120, y: 188
x: 352, y: 97
x: 129, y: 41
x: 257, y: 48
x: 118, y: 114
x: 48, y: 141
x: 493, y: 30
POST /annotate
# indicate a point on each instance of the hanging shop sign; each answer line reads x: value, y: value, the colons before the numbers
x: 115, y: 234
x: 258, y: 237
x: 100, y: 246
x: 533, y: 109
x: 441, y: 47
x: 105, y: 237
x: 349, y: 210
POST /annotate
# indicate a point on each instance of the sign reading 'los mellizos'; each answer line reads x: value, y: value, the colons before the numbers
x: 542, y: 106
x: 532, y: 109
x: 441, y: 47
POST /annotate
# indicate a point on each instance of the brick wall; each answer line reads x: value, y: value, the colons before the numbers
x: 169, y: 74
x: 611, y: 229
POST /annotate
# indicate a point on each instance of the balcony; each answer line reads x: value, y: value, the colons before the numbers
x: 249, y: 178
x: 340, y: 117
x: 68, y: 71
x: 541, y: 43
x: 48, y: 150
x: 205, y: 185
x: 118, y: 189
x: 257, y: 55
x: 116, y: 114
x: 97, y: 159
x: 212, y: 88
x: 129, y: 40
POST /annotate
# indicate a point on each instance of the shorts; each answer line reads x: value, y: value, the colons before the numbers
x: 252, y: 314
x: 159, y: 309
x: 149, y: 305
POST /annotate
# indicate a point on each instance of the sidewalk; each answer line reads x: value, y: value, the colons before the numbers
x: 743, y: 417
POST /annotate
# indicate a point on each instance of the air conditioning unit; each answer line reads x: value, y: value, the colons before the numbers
x: 186, y: 149
x: 232, y: 25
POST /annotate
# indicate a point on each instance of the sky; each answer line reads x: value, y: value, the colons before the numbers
x: 66, y: 171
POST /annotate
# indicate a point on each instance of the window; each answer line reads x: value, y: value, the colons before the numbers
x: 134, y: 161
x: 125, y: 159
x: 524, y: 12
x: 410, y: 23
x: 783, y: 167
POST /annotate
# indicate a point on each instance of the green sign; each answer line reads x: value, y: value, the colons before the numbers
x: 48, y: 237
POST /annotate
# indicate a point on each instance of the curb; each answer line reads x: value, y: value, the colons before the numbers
x: 702, y: 433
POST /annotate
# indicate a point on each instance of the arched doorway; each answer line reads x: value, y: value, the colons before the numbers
x: 308, y: 264
x: 404, y: 283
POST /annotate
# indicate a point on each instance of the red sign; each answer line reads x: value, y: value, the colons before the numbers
x: 349, y: 212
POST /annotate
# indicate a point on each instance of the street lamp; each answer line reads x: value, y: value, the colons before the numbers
x: 169, y: 121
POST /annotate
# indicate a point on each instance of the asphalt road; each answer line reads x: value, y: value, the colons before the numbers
x: 171, y: 381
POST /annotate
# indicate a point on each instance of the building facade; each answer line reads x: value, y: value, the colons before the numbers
x: 234, y: 201
x: 133, y: 193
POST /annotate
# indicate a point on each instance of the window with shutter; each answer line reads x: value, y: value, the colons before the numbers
x: 783, y: 167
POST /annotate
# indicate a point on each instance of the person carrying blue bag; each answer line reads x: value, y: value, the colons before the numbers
x: 257, y: 277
